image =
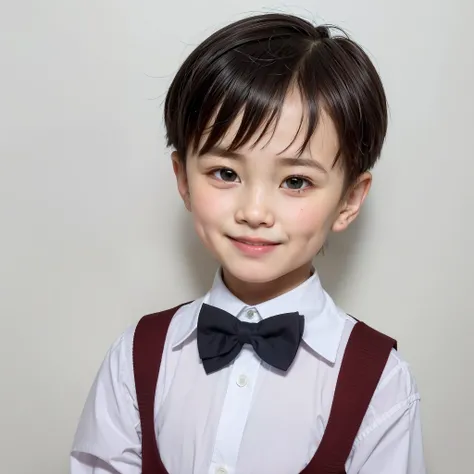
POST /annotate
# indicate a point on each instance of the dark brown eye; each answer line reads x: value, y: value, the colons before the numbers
x: 295, y: 182
x: 226, y: 174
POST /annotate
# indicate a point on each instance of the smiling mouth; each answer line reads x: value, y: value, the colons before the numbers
x: 253, y: 242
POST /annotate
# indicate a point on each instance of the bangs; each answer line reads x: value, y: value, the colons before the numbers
x: 244, y: 73
x: 251, y: 91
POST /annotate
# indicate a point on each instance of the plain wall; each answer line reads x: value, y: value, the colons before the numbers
x: 93, y: 234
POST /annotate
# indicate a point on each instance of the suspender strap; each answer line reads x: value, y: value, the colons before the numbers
x: 148, y: 343
x: 364, y: 360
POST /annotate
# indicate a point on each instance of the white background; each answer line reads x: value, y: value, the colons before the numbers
x: 93, y: 234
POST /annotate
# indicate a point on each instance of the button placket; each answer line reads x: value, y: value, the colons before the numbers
x: 242, y: 380
x: 235, y: 411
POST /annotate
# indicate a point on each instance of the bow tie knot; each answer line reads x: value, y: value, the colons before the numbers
x: 244, y: 336
x: 221, y: 336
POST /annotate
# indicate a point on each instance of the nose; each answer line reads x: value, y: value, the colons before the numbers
x: 254, y: 209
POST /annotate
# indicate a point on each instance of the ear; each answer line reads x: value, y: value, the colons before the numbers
x: 352, y: 202
x: 179, y: 168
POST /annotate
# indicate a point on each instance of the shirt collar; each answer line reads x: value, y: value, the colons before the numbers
x: 324, y: 322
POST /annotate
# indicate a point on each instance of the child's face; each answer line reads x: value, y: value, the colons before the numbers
x: 264, y: 212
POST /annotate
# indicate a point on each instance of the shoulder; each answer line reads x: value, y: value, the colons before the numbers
x: 119, y: 353
x: 117, y: 366
x: 397, y: 375
x: 396, y: 392
x: 183, y: 318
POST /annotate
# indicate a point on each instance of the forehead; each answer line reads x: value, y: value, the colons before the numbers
x: 286, y: 134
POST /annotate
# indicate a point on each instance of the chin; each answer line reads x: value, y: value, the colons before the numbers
x: 257, y: 273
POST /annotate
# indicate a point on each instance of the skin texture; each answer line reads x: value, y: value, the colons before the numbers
x: 266, y: 191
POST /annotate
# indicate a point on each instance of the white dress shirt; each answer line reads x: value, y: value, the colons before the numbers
x: 247, y: 418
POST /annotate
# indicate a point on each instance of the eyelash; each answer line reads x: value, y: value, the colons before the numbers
x: 303, y: 178
x: 309, y: 183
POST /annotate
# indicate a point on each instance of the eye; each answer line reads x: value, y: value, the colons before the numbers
x: 225, y: 174
x: 296, y: 183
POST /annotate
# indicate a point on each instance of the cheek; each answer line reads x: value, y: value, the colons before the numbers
x: 310, y: 219
x: 208, y: 203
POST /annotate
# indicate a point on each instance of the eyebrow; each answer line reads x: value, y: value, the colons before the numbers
x: 286, y: 161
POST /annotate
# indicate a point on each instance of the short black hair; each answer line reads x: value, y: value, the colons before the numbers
x: 248, y: 68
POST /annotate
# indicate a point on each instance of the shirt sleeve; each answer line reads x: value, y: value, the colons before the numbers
x: 108, y: 439
x: 390, y: 440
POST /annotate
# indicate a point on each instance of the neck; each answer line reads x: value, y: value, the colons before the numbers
x: 253, y: 293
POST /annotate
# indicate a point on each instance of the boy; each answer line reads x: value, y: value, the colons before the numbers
x: 275, y: 125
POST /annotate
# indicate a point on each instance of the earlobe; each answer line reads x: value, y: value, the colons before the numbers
x: 179, y: 168
x: 352, y: 202
x: 187, y: 201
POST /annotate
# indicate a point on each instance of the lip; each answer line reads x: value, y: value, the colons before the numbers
x: 253, y: 246
x: 254, y: 241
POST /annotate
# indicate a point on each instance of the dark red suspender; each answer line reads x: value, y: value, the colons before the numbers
x: 364, y: 360
x: 148, y: 344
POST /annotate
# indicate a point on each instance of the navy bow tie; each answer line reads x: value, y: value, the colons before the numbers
x: 221, y: 336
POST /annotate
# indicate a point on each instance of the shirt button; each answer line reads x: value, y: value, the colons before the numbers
x: 242, y: 380
x: 221, y: 470
x: 250, y: 313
